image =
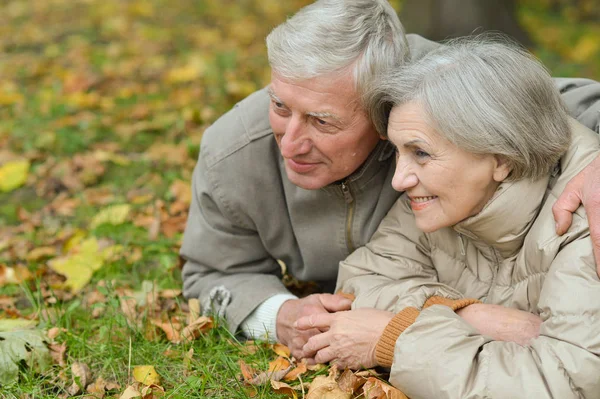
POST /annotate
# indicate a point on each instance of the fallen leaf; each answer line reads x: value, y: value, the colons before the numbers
x: 13, y: 174
x: 247, y: 371
x: 284, y: 389
x: 279, y: 364
x: 326, y: 387
x: 130, y: 393
x: 115, y: 215
x: 170, y: 329
x: 82, y: 377
x: 79, y: 265
x: 377, y: 389
x: 198, y: 327
x: 350, y: 382
x: 295, y: 373
x: 14, y: 275
x: 58, y: 351
x: 147, y: 375
x: 19, y: 348
x: 281, y: 350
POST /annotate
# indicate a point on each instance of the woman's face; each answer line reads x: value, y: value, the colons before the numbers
x: 445, y: 184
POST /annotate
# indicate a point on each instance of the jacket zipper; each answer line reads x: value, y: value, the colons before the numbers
x: 349, y: 216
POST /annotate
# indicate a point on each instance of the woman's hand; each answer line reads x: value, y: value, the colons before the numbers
x: 349, y: 339
x: 583, y: 188
x: 501, y: 323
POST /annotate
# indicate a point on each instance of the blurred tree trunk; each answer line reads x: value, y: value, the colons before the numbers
x: 443, y: 19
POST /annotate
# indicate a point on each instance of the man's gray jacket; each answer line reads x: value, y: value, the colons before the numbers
x: 246, y: 215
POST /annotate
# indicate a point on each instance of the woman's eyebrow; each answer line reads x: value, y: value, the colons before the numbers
x: 413, y: 143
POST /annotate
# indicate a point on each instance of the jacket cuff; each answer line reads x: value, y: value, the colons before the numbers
x: 454, y: 304
x: 384, y: 351
x: 262, y: 322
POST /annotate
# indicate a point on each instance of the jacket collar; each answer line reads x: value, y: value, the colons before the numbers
x: 506, y: 218
x: 382, y: 153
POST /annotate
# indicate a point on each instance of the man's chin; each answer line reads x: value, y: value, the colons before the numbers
x: 305, y: 181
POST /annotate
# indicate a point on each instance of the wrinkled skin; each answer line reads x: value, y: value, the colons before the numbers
x: 350, y: 338
x: 294, y: 309
x: 582, y: 189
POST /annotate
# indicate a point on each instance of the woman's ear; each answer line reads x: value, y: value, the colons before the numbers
x: 502, y: 169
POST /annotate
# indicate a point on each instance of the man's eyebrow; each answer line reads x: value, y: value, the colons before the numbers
x: 324, y: 115
x: 273, y: 95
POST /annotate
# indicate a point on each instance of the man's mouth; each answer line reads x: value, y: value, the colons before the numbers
x: 300, y: 166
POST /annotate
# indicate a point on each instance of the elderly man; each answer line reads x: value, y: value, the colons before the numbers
x: 297, y: 174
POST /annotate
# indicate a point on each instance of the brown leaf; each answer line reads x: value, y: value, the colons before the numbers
x: 82, y: 377
x: 171, y: 330
x: 295, y: 373
x: 198, y: 327
x: 350, y: 382
x: 377, y: 389
x: 57, y: 352
x: 324, y: 387
x: 247, y: 371
x: 279, y: 364
x: 284, y: 389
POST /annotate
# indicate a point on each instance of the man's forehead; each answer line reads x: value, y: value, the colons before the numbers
x: 337, y: 112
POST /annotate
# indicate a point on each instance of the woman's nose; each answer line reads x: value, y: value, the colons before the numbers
x: 404, y: 177
x: 295, y: 140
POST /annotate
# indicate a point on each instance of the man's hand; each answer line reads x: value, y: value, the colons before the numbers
x: 501, y: 323
x: 349, y: 339
x: 583, y: 188
x: 294, y: 309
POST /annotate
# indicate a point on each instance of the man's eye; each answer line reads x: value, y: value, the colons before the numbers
x: 277, y: 104
x: 321, y: 122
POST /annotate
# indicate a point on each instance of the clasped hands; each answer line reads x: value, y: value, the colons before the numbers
x: 348, y: 338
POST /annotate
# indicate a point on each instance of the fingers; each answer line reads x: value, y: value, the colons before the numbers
x: 322, y: 321
x: 335, y: 303
x: 316, y: 343
x: 567, y: 203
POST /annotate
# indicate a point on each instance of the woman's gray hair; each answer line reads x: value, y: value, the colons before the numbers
x: 485, y: 95
x: 329, y: 36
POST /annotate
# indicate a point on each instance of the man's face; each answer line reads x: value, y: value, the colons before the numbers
x: 322, y: 131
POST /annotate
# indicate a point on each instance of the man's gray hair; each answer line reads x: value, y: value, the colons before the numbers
x: 486, y: 95
x: 329, y: 36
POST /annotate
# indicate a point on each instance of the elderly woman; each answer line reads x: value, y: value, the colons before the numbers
x: 482, y: 155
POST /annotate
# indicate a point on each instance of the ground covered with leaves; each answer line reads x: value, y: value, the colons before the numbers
x: 102, y: 108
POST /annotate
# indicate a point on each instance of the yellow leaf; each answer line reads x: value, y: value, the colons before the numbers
x: 115, y: 215
x: 13, y: 175
x: 79, y: 265
x: 130, y: 393
x: 281, y: 350
x: 147, y: 375
x: 10, y: 98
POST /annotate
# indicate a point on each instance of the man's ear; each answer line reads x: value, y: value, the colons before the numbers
x: 501, y: 169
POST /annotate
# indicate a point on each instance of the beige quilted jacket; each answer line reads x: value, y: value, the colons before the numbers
x: 508, y: 254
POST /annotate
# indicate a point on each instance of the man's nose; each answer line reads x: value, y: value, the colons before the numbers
x: 404, y: 177
x: 295, y: 140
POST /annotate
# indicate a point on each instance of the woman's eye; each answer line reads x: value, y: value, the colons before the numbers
x: 421, y: 154
x: 278, y: 105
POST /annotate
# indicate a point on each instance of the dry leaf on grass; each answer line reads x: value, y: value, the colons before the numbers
x: 281, y: 350
x: 146, y: 375
x: 326, y: 387
x: 82, y: 377
x: 278, y: 368
x: 198, y: 327
x: 58, y: 351
x: 377, y: 389
x: 284, y: 389
x: 295, y: 373
x: 351, y: 382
